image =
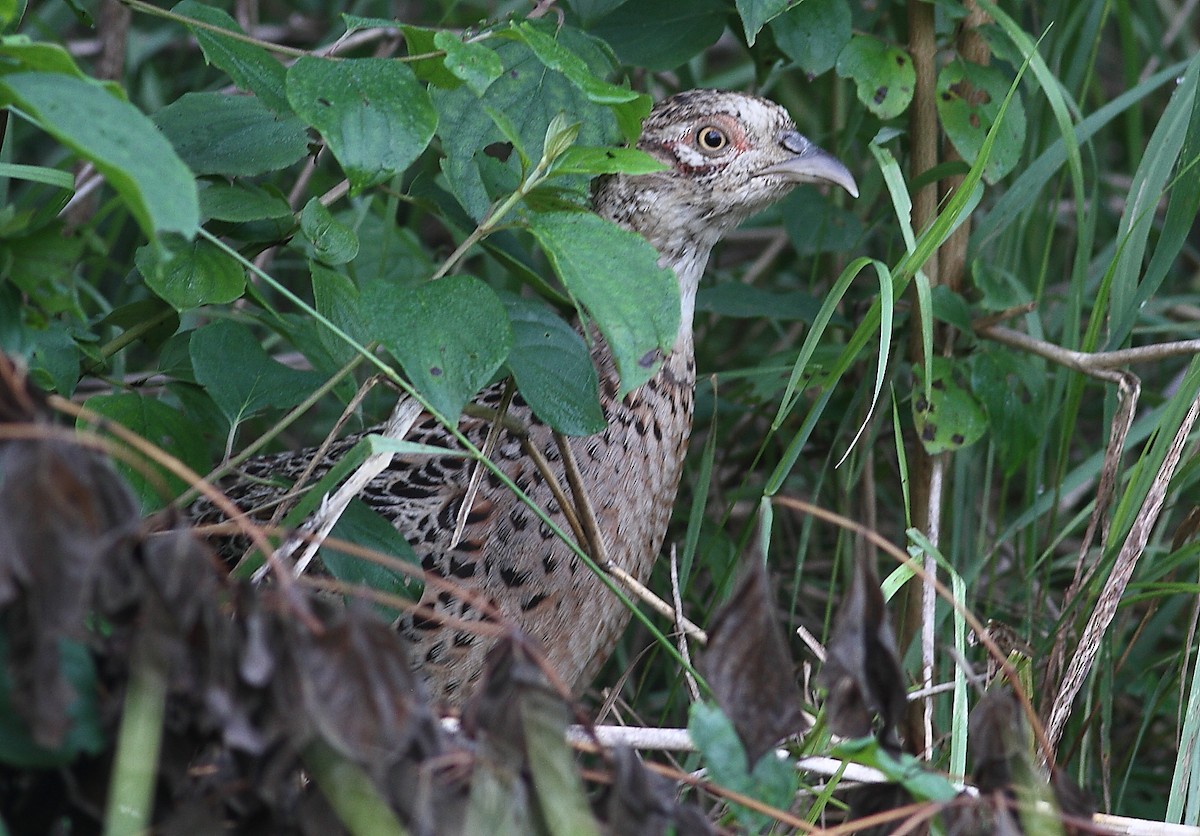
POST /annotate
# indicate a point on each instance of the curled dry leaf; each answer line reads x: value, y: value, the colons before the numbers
x: 642, y: 803
x: 748, y: 666
x: 62, y: 511
x: 862, y: 670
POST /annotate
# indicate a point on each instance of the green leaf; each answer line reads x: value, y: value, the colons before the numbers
x: 904, y: 769
x: 812, y: 33
x: 755, y: 14
x: 123, y: 144
x: 558, y: 57
x: 159, y: 424
x: 1012, y: 390
x: 420, y: 41
x: 364, y: 527
x: 531, y: 96
x: 192, y: 274
x: 968, y: 101
x: 26, y: 55
x: 234, y: 136
x: 772, y: 781
x: 450, y: 336
x: 884, y: 75
x: 328, y: 240
x: 372, y: 112
x: 592, y: 161
x: 661, y: 34
x: 242, y: 202
x: 240, y: 376
x: 475, y: 64
x: 553, y: 368
x: 55, y: 359
x: 950, y: 418
x: 614, y: 275
x: 251, y: 67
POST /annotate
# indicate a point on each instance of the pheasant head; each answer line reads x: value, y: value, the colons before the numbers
x: 729, y: 156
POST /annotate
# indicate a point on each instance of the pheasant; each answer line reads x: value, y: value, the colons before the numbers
x: 729, y: 155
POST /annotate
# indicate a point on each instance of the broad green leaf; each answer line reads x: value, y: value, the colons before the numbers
x: 592, y: 161
x: 328, y: 240
x: 756, y: 14
x: 553, y: 368
x: 240, y: 376
x: 192, y: 274
x: 241, y: 202
x: 558, y: 57
x: 968, y: 101
x: 1012, y: 390
x: 42, y: 260
x: 364, y: 527
x: 251, y: 67
x: 951, y: 417
x: 814, y: 225
x: 475, y: 64
x: 450, y: 336
x: 26, y: 55
x: 812, y: 33
x: 159, y: 424
x: 234, y: 136
x: 883, y: 74
x: 661, y: 34
x: 123, y: 144
x: 531, y: 96
x: 372, y: 112
x: 55, y: 358
x: 420, y: 41
x: 772, y: 781
x: 614, y: 275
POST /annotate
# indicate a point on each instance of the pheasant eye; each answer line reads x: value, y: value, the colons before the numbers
x: 711, y: 139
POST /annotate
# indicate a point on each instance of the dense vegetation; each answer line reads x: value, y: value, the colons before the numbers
x: 212, y: 239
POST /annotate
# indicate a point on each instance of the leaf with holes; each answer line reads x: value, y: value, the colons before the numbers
x: 372, y: 112
x: 946, y: 413
x: 450, y: 336
x: 968, y: 101
x: 614, y: 275
x: 884, y: 75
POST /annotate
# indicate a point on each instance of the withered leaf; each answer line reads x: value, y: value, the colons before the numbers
x: 62, y: 511
x: 1000, y: 742
x: 871, y: 799
x: 642, y: 803
x: 862, y: 670
x: 360, y: 692
x: 748, y: 666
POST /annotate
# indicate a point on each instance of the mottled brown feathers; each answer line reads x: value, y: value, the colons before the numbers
x: 729, y: 156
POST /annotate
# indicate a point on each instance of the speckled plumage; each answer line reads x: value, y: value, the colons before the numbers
x: 632, y: 468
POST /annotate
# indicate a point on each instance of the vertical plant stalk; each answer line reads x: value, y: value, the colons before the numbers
x: 135, y: 769
x: 1110, y: 597
x: 926, y: 477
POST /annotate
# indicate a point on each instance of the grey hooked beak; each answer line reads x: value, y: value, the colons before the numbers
x: 811, y: 165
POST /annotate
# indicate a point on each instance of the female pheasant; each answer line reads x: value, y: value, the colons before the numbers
x: 729, y: 155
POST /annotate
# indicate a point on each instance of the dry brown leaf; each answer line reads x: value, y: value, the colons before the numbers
x: 749, y: 668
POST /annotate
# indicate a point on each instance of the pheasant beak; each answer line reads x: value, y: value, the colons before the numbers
x: 810, y: 164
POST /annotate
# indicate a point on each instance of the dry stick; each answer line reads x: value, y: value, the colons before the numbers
x: 923, y: 128
x: 599, y: 550
x: 489, y: 445
x: 1110, y: 597
x: 693, y: 688
x: 403, y: 416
